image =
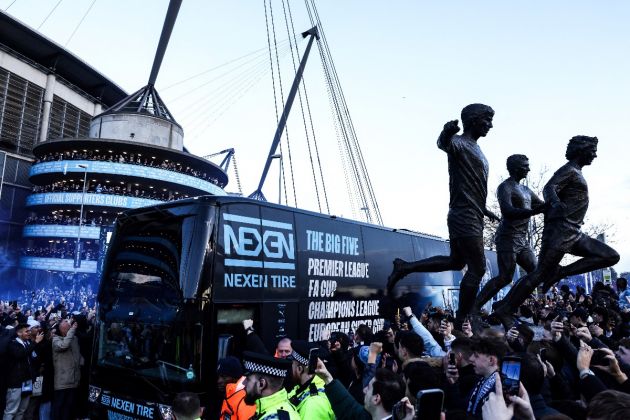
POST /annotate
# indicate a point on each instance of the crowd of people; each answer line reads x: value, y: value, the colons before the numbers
x: 573, y: 350
x: 67, y: 186
x: 60, y: 219
x: 62, y: 250
x: 45, y: 345
x: 133, y: 159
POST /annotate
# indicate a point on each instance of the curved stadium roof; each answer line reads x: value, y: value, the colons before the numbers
x: 34, y: 47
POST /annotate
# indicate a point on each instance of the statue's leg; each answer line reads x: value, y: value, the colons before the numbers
x: 470, y: 250
x: 527, y: 259
x: 525, y: 286
x: 507, y: 265
x: 595, y: 255
x: 428, y: 265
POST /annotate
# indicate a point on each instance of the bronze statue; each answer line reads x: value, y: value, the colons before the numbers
x: 566, y: 194
x: 518, y: 203
x: 468, y: 187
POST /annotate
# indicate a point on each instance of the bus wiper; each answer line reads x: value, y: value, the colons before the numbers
x: 163, y: 395
x: 190, y: 373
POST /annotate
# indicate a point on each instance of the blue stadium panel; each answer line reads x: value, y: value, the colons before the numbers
x: 91, y: 199
x: 61, y: 231
x: 147, y: 172
x: 57, y: 264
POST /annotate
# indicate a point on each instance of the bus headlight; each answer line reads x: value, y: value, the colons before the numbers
x: 94, y: 393
x: 166, y: 412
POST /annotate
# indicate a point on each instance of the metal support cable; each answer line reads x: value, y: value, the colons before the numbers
x: 308, y: 142
x: 348, y: 133
x: 80, y: 22
x: 12, y: 3
x: 210, y: 105
x: 257, y: 52
x: 48, y: 15
x: 257, y: 59
x: 286, y: 130
x: 308, y: 107
x: 225, y: 90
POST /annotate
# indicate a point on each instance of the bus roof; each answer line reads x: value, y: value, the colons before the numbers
x: 221, y: 200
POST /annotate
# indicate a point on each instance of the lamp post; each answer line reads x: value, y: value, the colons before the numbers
x: 77, y: 257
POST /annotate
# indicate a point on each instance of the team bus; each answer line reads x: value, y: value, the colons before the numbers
x: 180, y: 278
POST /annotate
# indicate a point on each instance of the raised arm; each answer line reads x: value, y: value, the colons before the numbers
x: 444, y: 142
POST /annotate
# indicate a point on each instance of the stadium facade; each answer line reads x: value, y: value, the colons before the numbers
x: 75, y: 151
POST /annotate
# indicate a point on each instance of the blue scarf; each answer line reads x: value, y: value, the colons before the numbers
x: 480, y: 394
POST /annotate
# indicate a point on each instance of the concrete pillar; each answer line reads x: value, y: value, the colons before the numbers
x: 98, y: 108
x: 48, y: 98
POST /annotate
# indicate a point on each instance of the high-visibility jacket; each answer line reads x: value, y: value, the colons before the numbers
x: 310, y: 400
x: 275, y: 407
x: 234, y: 408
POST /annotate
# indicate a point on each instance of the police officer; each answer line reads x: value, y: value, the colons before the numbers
x: 309, y: 396
x: 264, y: 377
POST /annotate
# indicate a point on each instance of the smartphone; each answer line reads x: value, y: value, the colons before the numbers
x: 429, y: 404
x: 543, y: 354
x: 451, y: 359
x: 599, y: 358
x: 510, y: 376
x: 313, y: 355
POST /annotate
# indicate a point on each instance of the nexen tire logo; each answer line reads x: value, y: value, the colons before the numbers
x: 276, y: 242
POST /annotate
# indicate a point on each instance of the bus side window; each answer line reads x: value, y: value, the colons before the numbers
x: 225, y: 343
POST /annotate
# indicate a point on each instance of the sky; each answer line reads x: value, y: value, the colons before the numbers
x: 550, y: 70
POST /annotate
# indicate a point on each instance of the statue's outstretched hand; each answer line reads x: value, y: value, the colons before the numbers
x: 450, y: 129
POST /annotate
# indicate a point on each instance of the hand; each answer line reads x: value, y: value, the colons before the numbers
x: 540, y: 209
x: 407, y: 311
x: 450, y: 129
x: 39, y: 337
x: 495, y: 407
x: 551, y: 372
x: 452, y: 374
x: 397, y: 320
x: 406, y: 410
x: 376, y: 347
x: 467, y: 329
x: 445, y: 328
x: 522, y: 406
x: 595, y: 330
x: 490, y: 215
x: 624, y: 355
x: 322, y: 372
x: 557, y: 329
x: 512, y: 334
x: 247, y: 324
x: 583, y: 334
x: 585, y: 354
x: 613, y: 366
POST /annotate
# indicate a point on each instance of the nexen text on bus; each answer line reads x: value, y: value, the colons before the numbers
x: 250, y: 241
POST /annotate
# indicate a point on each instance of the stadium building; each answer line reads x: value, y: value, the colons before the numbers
x: 75, y: 151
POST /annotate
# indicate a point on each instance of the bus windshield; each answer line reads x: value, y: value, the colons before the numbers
x: 144, y: 325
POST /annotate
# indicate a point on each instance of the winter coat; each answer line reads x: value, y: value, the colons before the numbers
x: 19, y: 364
x: 66, y: 360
